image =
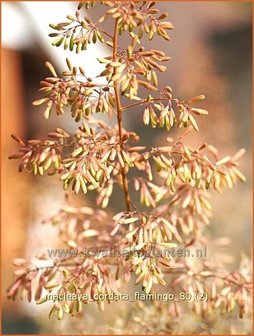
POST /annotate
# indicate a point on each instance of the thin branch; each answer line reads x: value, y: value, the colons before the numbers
x: 105, y: 33
x: 145, y: 101
x: 120, y: 124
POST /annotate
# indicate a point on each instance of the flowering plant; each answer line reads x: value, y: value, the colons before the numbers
x: 173, y: 180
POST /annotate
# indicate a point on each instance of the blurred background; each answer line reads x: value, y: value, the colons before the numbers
x: 210, y: 47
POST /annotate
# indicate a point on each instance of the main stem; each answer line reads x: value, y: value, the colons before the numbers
x: 120, y: 124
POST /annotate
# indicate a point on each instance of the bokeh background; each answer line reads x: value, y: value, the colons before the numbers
x: 210, y: 47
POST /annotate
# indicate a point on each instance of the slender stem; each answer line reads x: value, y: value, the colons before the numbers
x: 120, y: 124
x: 133, y: 105
x: 215, y: 276
x: 143, y: 102
x: 105, y: 33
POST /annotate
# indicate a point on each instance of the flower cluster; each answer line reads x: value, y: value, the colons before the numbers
x: 40, y: 156
x: 76, y: 225
x: 76, y: 91
x: 127, y: 68
x: 226, y: 290
x: 76, y: 33
x: 174, y: 180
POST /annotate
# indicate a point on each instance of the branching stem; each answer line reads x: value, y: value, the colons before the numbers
x: 120, y: 123
x: 145, y: 101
